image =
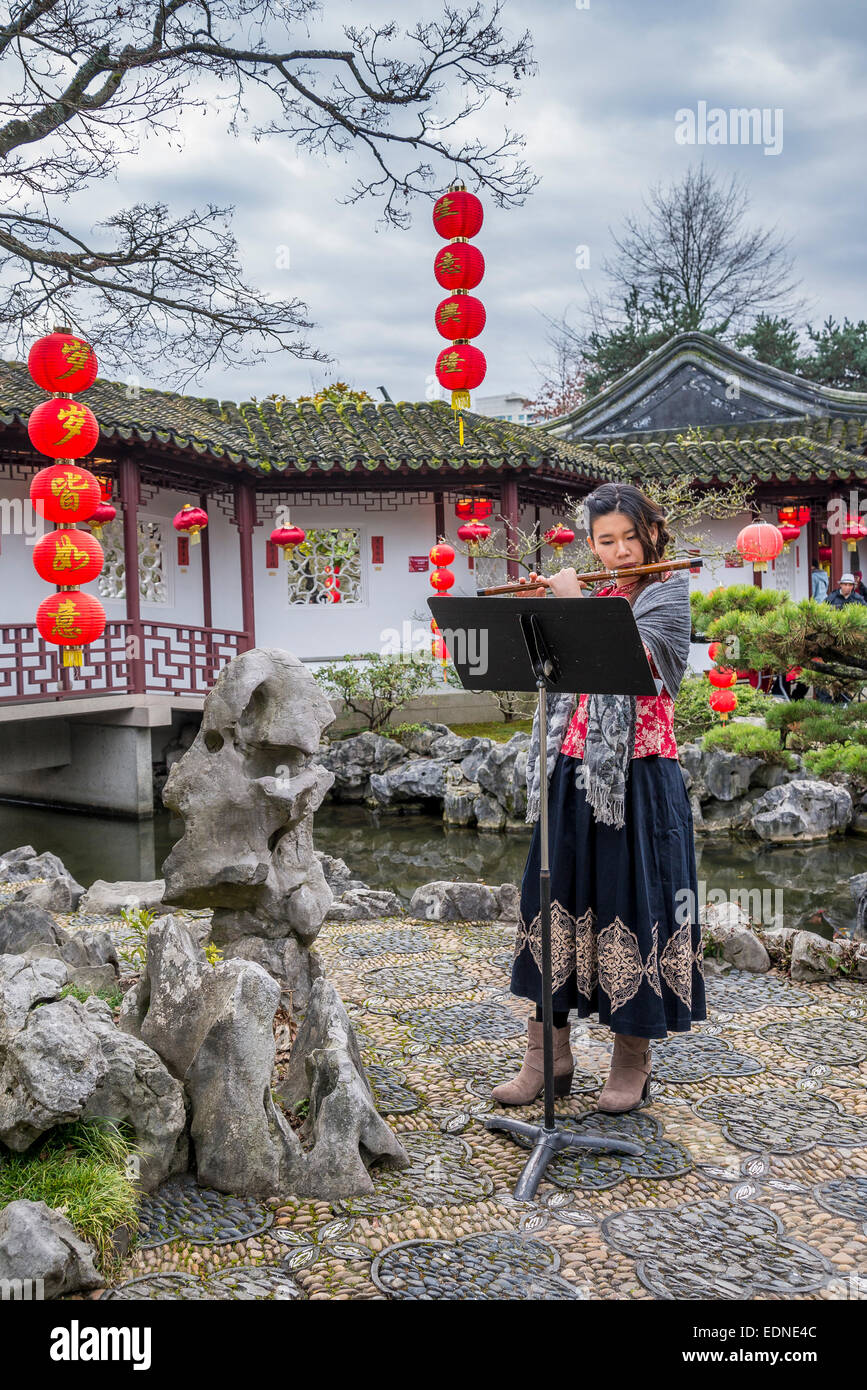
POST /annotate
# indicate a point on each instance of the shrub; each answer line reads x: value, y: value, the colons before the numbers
x: 112, y: 997
x: 839, y: 762
x: 693, y: 715
x: 133, y: 948
x: 750, y: 740
x: 377, y: 688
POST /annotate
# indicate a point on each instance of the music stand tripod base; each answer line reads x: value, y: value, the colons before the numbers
x: 550, y: 1142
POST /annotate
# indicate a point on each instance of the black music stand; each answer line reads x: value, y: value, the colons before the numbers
x: 547, y: 644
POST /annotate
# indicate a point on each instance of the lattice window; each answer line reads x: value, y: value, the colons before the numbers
x: 153, y: 586
x: 326, y: 568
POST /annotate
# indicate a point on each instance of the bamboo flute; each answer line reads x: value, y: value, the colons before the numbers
x: 598, y: 576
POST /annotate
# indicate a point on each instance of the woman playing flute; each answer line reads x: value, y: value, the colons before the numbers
x: 625, y: 939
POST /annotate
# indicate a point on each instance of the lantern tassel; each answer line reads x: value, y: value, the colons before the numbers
x: 72, y: 656
x: 461, y: 400
x: 194, y: 536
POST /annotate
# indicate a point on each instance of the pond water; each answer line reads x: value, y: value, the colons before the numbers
x: 808, y: 885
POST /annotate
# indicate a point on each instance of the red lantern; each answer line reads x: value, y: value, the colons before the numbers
x: 104, y: 513
x: 716, y: 651
x: 68, y: 557
x: 461, y: 316
x: 473, y: 531
x: 288, y: 536
x: 460, y: 369
x: 191, y: 520
x: 442, y: 580
x: 482, y: 508
x: 723, y: 679
x: 759, y: 543
x: 559, y: 536
x: 789, y: 533
x: 723, y: 702
x: 441, y: 555
x: 854, y: 530
x: 459, y: 267
x: 62, y: 362
x: 793, y: 516
x: 794, y: 673
x: 457, y: 214
x: 64, y: 492
x: 63, y: 429
x: 825, y: 553
x: 70, y: 620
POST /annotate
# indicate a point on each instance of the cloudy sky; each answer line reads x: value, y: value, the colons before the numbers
x: 599, y: 121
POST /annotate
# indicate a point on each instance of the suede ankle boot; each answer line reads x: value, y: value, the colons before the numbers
x: 628, y: 1081
x: 530, y: 1081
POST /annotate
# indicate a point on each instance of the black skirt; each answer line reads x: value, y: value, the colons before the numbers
x: 625, y: 937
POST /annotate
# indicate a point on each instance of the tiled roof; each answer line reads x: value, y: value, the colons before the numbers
x: 357, y: 439
x: 794, y: 458
x: 821, y: 429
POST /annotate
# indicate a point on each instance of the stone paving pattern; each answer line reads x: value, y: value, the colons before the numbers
x: 753, y: 1183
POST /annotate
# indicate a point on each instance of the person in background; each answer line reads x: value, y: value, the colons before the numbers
x: 845, y: 593
x: 818, y: 583
x: 860, y: 588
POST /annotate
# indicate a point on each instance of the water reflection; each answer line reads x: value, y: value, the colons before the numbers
x: 403, y: 852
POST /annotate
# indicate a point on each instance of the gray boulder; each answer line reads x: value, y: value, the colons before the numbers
x: 24, y: 983
x: 365, y: 905
x: 343, y: 1126
x: 473, y: 760
x: 18, y: 869
x: 15, y: 856
x: 351, y: 761
x: 461, y: 794
x: 802, y: 811
x: 338, y: 874
x: 488, y: 812
x: 814, y: 957
x: 728, y: 926
x: 48, y: 1072
x: 28, y: 930
x: 39, y: 1246
x: 419, y: 742
x: 105, y: 898
x: 54, y: 895
x: 503, y: 774
x: 247, y: 790
x: 445, y: 901
x: 421, y: 779
x: 509, y: 898
x: 727, y: 775
x: 858, y: 889
x: 293, y: 966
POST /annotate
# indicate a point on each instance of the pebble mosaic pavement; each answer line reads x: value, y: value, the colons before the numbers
x: 753, y: 1183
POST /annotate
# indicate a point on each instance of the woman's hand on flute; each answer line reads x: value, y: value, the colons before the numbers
x: 563, y: 584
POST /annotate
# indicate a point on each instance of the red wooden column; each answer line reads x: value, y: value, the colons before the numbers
x: 509, y: 511
x: 130, y: 497
x: 838, y: 561
x: 207, y: 611
x: 245, y: 520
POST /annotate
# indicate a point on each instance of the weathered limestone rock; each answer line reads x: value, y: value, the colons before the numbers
x: 728, y: 926
x: 858, y: 889
x: 49, y: 1069
x: 420, y: 742
x: 460, y: 797
x: 801, y: 811
x: 326, y: 1069
x: 247, y: 790
x: 503, y: 774
x: 17, y: 866
x: 28, y: 930
x: 445, y: 901
x: 509, y: 898
x: 294, y: 967
x: 352, y: 760
x: 814, y: 957
x: 727, y: 775
x: 364, y: 905
x: 777, y: 941
x: 338, y: 874
x: 421, y: 779
x: 24, y: 983
x: 489, y: 813
x: 213, y: 1027
x: 40, y: 1245
x: 104, y: 897
x: 54, y: 895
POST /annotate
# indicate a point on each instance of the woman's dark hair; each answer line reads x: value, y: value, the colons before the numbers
x: 632, y: 502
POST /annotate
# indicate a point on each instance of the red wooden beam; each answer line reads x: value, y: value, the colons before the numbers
x: 245, y: 520
x: 130, y: 496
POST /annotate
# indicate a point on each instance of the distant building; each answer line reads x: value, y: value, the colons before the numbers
x: 512, y: 407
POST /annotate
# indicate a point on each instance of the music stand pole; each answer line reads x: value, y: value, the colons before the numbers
x: 549, y: 1141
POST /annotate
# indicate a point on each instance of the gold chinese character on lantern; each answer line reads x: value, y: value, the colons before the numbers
x: 448, y: 312
x: 77, y: 354
x: 68, y: 556
x: 64, y: 616
x: 444, y: 207
x: 451, y: 362
x: 448, y: 261
x: 67, y: 485
x: 73, y: 418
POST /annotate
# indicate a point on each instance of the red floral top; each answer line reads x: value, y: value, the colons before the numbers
x: 654, y: 714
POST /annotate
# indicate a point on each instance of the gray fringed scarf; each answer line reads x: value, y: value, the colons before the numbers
x: 662, y: 616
